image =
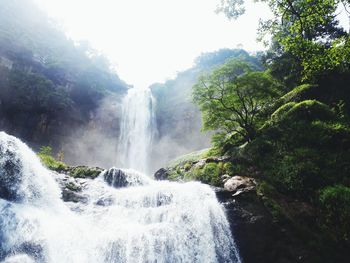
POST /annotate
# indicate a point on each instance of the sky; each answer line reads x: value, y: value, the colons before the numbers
x: 151, y: 40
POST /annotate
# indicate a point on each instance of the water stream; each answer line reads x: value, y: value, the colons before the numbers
x: 124, y: 217
x: 137, y: 129
x: 148, y: 221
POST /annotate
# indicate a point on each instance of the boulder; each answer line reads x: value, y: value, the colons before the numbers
x: 238, y: 184
x: 72, y: 196
x: 161, y: 174
x: 118, y: 178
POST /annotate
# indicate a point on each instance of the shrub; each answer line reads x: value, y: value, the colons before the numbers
x: 335, y: 204
x: 45, y: 155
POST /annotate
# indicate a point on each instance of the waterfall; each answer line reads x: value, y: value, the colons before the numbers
x: 127, y: 217
x: 137, y: 129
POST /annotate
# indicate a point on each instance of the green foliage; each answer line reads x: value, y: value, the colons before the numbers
x: 49, y: 83
x: 306, y: 29
x: 302, y: 148
x: 302, y: 144
x: 84, y: 172
x: 33, y: 92
x: 335, y: 204
x: 232, y: 97
x: 304, y: 110
x: 187, y: 166
x: 300, y: 93
x: 210, y: 173
x: 189, y: 158
x: 269, y: 195
x: 45, y: 155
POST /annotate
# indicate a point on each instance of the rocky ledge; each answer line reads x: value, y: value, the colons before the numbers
x: 73, y: 180
x: 267, y: 226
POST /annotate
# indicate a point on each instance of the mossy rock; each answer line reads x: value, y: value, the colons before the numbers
x: 73, y: 187
x: 51, y: 163
x: 85, y: 172
x: 189, y: 158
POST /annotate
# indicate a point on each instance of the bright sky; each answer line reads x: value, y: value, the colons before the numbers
x: 150, y: 40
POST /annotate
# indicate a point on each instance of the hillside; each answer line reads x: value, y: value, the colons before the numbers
x: 50, y: 87
x: 178, y: 118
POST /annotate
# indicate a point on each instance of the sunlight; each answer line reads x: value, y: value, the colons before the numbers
x: 135, y: 33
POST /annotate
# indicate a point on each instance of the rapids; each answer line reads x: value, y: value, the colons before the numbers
x: 143, y: 221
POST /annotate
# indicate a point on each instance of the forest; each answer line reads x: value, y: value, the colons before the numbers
x: 285, y: 123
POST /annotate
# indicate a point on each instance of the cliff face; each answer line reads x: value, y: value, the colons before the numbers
x: 178, y: 118
x: 53, y: 91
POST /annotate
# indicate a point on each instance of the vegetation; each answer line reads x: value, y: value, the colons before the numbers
x: 84, y: 172
x: 45, y: 155
x: 47, y: 82
x: 232, y: 98
x: 178, y: 119
x: 288, y: 124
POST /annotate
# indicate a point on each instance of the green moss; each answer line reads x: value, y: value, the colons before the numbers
x: 265, y: 189
x: 187, y: 166
x: 191, y: 157
x: 228, y: 168
x: 211, y: 152
x: 73, y: 187
x: 210, y: 174
x: 49, y: 161
x: 85, y: 172
x: 335, y: 205
x: 269, y: 197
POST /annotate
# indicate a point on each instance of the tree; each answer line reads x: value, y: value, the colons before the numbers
x: 233, y: 97
x: 307, y: 29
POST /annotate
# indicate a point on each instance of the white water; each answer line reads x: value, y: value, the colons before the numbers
x: 148, y: 221
x: 137, y: 129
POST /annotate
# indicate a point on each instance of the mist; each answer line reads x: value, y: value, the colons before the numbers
x: 96, y: 144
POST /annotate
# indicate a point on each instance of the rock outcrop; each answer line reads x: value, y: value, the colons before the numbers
x: 267, y: 226
x: 118, y: 178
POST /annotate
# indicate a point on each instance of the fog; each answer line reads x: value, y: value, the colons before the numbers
x: 96, y: 144
x: 149, y: 41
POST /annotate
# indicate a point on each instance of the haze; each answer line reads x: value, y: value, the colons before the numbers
x: 150, y: 40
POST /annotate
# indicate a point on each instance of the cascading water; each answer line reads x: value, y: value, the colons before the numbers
x: 126, y: 217
x: 137, y: 129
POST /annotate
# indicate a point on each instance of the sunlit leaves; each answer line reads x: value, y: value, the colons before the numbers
x: 307, y: 29
x: 231, y: 8
x: 233, y: 97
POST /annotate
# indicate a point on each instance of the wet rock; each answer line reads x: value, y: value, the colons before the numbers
x: 225, y: 178
x: 33, y: 250
x: 71, y: 188
x: 10, y: 171
x: 105, y: 201
x: 84, y: 172
x: 239, y: 184
x: 161, y: 174
x: 72, y: 196
x: 119, y: 178
x: 251, y: 224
